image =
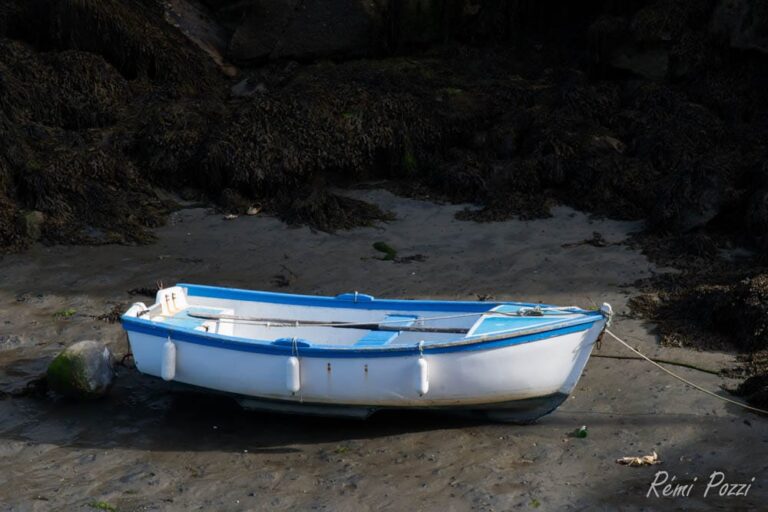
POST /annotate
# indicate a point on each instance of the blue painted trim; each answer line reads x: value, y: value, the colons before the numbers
x: 291, y: 342
x: 215, y: 292
x: 354, y: 297
x: 139, y: 325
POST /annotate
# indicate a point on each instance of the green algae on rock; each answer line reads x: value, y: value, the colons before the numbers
x: 82, y: 370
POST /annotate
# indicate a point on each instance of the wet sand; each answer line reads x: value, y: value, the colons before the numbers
x: 152, y: 446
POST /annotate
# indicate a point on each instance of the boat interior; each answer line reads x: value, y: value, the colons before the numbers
x: 353, y: 320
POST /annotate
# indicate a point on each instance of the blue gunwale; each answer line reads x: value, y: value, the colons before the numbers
x: 216, y: 292
x: 140, y: 325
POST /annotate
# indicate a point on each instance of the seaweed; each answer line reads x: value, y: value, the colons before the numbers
x: 129, y: 103
x: 390, y: 253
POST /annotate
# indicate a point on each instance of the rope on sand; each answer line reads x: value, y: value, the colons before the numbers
x: 684, y: 380
x: 665, y: 361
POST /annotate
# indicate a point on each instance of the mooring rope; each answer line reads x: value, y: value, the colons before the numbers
x: 683, y: 379
x: 658, y: 360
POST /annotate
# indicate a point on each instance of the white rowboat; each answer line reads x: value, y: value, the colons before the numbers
x: 351, y: 355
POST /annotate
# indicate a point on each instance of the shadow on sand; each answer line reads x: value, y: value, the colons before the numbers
x: 145, y: 413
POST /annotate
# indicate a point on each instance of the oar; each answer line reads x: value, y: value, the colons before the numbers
x: 285, y: 322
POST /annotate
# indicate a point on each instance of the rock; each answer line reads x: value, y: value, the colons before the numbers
x: 606, y: 142
x: 641, y: 45
x: 757, y: 218
x: 247, y: 87
x: 330, y: 28
x: 755, y: 390
x: 229, y: 70
x: 741, y: 311
x: 615, y: 45
x: 196, y: 21
x: 690, y: 198
x: 419, y: 22
x: 261, y: 28
x: 264, y: 29
x: 744, y: 24
x: 505, y: 143
x: 83, y: 370
x: 648, y: 61
x: 31, y: 224
x: 233, y: 202
x: 306, y: 30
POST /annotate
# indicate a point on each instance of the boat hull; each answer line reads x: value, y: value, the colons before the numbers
x: 517, y: 381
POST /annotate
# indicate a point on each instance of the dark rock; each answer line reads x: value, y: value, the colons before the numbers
x: 505, y: 142
x: 608, y: 143
x: 661, y: 39
x: 331, y: 27
x: 305, y: 30
x: 247, y: 87
x: 630, y: 46
x: 420, y: 22
x: 742, y: 311
x: 650, y: 62
x: 341, y: 28
x: 196, y: 22
x: 757, y: 218
x: 233, y: 202
x: 744, y: 24
x: 263, y: 26
x: 82, y: 370
x: 755, y: 390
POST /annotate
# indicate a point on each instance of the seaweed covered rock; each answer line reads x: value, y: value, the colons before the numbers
x: 83, y: 370
x: 98, y: 97
x: 757, y: 218
x: 755, y: 390
x: 75, y: 75
x: 722, y: 310
x: 278, y: 29
x: 303, y: 30
x: 743, y: 23
x: 743, y: 312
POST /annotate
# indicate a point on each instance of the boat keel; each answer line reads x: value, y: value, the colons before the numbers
x: 520, y: 412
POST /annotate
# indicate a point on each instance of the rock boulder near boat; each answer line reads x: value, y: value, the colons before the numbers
x: 351, y: 355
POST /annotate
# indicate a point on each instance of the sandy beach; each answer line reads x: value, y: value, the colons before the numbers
x: 152, y: 446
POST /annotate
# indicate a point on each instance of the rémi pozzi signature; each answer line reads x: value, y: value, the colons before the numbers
x: 666, y: 486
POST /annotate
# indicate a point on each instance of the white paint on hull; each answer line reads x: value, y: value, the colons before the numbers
x: 513, y: 372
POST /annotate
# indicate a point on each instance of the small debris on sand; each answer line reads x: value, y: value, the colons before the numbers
x: 645, y: 460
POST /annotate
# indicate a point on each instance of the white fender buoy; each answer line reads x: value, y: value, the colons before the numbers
x: 292, y: 374
x: 422, y: 382
x: 168, y: 367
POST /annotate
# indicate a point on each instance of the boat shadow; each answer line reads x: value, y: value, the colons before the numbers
x: 147, y: 414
